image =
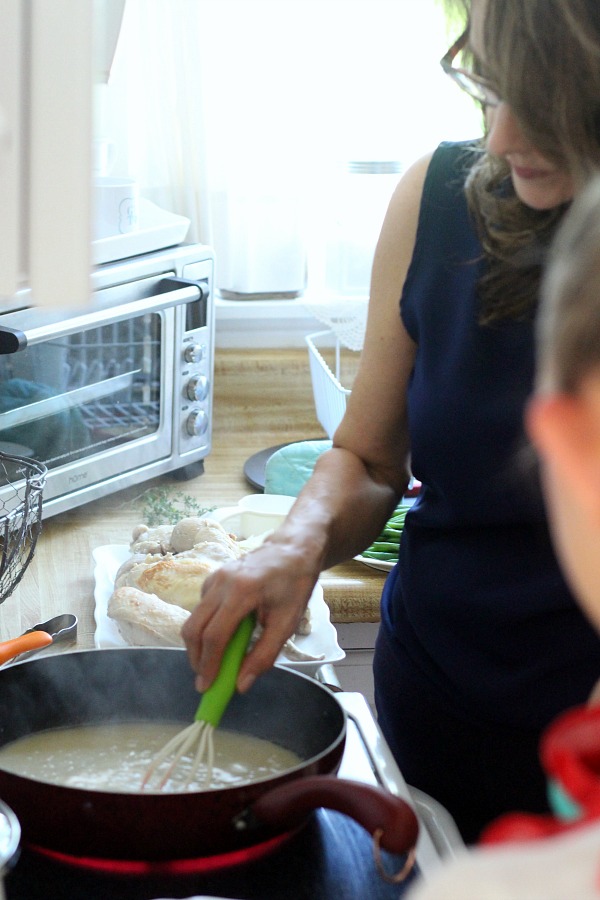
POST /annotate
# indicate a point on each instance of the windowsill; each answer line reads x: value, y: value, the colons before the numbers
x: 262, y: 323
x: 265, y: 323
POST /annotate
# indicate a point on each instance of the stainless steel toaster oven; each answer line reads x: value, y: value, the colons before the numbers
x: 120, y: 390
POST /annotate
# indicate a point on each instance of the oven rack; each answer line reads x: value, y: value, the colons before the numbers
x: 100, y: 416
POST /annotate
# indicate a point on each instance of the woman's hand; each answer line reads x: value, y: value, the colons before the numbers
x: 276, y: 582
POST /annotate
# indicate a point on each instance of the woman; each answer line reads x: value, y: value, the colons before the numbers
x: 558, y: 856
x: 481, y: 643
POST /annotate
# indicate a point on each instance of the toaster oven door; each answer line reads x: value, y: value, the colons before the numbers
x: 92, y: 396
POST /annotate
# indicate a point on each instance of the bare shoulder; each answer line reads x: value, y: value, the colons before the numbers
x: 410, y: 185
x: 400, y: 223
x: 397, y: 238
x: 375, y: 426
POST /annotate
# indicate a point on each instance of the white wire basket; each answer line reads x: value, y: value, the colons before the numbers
x: 329, y: 393
x: 22, y: 483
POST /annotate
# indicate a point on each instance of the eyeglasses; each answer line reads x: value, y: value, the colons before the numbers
x: 474, y: 85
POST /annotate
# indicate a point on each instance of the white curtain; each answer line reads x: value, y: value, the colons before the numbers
x: 242, y: 115
x: 154, y: 107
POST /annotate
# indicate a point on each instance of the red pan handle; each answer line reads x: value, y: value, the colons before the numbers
x: 374, y: 808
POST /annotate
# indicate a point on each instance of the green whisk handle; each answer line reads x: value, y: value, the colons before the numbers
x: 215, y: 699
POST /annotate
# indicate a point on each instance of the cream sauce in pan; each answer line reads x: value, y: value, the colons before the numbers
x: 115, y: 757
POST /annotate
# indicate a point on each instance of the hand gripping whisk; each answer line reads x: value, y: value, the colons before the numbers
x: 199, y: 734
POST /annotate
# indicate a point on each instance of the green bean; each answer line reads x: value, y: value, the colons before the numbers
x: 384, y: 546
x: 387, y: 545
x: 386, y: 557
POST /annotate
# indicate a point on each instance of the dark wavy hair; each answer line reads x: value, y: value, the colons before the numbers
x: 543, y: 59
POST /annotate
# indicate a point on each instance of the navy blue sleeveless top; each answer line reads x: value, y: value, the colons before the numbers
x: 477, y: 600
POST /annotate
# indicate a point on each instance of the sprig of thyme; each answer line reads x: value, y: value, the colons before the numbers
x: 162, y: 507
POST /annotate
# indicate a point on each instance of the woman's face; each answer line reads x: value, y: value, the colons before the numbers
x: 538, y: 182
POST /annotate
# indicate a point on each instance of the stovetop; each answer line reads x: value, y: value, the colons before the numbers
x: 331, y: 856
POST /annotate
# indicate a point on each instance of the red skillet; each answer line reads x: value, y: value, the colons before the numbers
x: 142, y: 683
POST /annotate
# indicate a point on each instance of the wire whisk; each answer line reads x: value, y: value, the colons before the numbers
x: 199, y: 734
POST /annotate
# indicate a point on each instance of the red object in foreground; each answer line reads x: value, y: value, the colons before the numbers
x: 570, y: 754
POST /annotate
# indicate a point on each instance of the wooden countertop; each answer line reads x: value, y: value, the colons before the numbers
x: 262, y: 399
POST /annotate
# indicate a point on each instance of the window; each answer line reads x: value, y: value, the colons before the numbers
x: 279, y: 127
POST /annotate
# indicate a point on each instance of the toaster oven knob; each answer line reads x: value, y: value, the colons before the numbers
x: 197, y: 387
x: 193, y: 353
x: 197, y: 423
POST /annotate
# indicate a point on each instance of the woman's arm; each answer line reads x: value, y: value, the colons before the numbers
x: 354, y: 486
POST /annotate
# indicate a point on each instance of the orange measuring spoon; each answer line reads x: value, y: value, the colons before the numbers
x: 33, y: 640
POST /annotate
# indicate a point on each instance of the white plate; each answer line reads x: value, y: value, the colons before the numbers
x: 382, y: 565
x: 321, y: 641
